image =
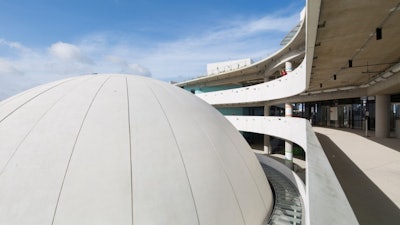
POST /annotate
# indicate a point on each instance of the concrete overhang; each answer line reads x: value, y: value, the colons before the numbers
x: 348, y: 44
x: 357, y: 42
x: 258, y: 71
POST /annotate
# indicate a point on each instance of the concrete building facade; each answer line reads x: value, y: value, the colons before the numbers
x: 338, y: 68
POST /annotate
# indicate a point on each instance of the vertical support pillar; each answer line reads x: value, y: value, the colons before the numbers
x: 334, y: 113
x: 397, y: 127
x: 267, y: 142
x: 267, y: 145
x: 288, y: 144
x: 288, y: 67
x: 382, y: 117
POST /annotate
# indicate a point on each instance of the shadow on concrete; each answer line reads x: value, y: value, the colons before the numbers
x: 392, y: 142
x: 369, y: 203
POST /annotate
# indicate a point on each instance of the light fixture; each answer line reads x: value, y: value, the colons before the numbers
x: 321, y: 24
x: 378, y: 33
x: 330, y: 90
x: 396, y: 68
x: 315, y: 92
x: 364, y: 86
x: 387, y: 74
x: 347, y: 88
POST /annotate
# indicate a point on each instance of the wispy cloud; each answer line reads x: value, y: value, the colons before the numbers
x: 106, y: 52
x: 239, y: 29
x: 8, y: 69
x: 13, y: 45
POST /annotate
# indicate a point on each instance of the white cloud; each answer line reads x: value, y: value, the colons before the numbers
x: 110, y: 52
x: 8, y: 69
x: 137, y: 69
x: 69, y: 52
x: 128, y: 68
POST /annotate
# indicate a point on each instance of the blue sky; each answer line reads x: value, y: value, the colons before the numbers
x: 47, y: 40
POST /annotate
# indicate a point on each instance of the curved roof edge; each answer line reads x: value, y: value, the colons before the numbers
x: 254, y: 66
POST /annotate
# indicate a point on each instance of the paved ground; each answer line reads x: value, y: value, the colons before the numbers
x: 368, y: 169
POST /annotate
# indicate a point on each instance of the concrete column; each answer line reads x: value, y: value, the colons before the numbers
x: 382, y: 116
x: 288, y: 144
x: 267, y: 143
x: 289, y: 154
x: 337, y: 115
x: 288, y: 110
x: 397, y: 128
x: 288, y: 67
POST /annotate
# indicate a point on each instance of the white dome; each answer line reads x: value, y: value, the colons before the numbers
x: 109, y: 149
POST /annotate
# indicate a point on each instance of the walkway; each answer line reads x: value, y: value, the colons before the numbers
x: 368, y: 169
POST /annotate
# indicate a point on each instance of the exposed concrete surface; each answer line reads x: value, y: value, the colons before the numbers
x: 368, y: 170
x: 323, y: 189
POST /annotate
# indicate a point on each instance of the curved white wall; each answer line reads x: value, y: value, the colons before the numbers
x: 286, y: 86
x: 325, y: 200
x: 289, y: 128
